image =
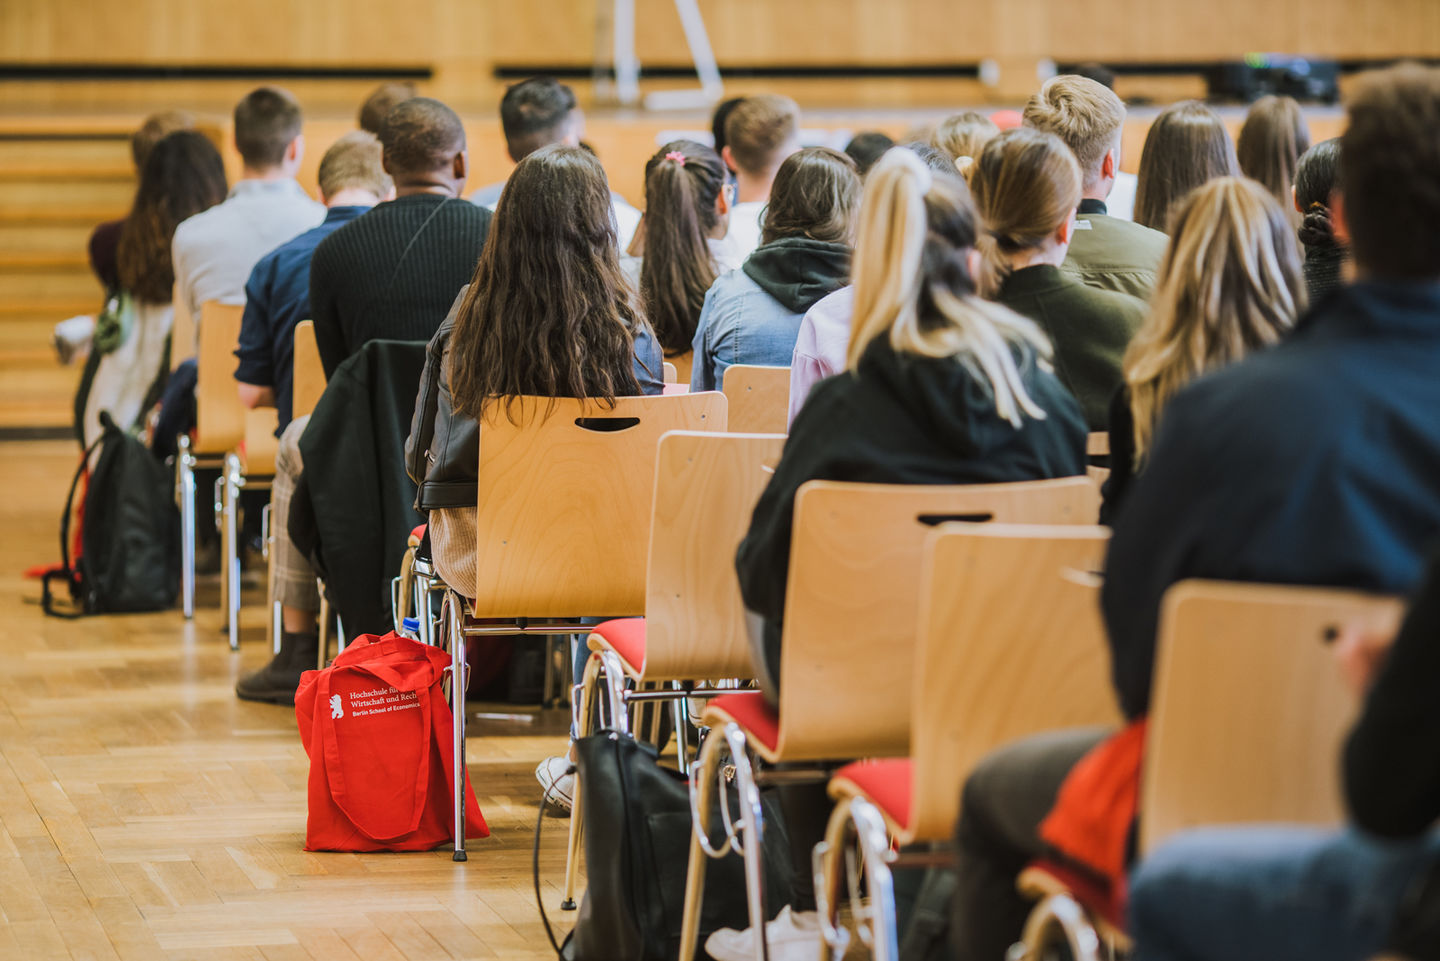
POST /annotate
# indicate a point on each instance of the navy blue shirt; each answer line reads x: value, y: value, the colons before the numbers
x: 277, y: 297
x: 1316, y: 462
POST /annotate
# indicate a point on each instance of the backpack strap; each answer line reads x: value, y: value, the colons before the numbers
x: 67, y: 570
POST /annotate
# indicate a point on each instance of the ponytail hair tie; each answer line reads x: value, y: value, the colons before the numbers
x: 676, y: 156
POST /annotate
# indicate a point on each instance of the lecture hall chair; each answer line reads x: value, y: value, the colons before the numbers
x: 1010, y: 644
x: 1248, y: 716
x: 851, y: 620
x: 759, y: 399
x: 566, y: 489
x: 706, y: 486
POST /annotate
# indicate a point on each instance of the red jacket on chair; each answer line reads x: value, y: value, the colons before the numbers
x: 377, y: 728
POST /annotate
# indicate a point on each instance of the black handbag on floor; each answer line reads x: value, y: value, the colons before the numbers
x: 637, y: 846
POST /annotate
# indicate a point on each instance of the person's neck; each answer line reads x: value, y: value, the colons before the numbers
x: 1051, y: 254
x: 431, y: 184
x: 750, y: 189
x: 352, y: 197
x: 1098, y: 191
x: 267, y: 174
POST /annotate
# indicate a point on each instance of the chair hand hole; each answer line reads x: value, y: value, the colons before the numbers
x: 606, y: 424
x: 935, y: 520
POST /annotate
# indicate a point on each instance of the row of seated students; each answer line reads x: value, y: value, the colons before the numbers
x: 954, y: 317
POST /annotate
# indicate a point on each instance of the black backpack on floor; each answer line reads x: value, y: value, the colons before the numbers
x: 130, y: 532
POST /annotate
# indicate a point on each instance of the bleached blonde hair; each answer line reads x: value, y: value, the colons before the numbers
x: 1230, y: 283
x: 913, y: 283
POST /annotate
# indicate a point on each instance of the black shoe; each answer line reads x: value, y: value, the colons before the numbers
x: 276, y: 682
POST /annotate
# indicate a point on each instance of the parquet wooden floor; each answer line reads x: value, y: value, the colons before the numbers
x: 145, y: 813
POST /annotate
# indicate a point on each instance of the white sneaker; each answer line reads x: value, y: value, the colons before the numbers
x: 559, y: 786
x: 792, y: 936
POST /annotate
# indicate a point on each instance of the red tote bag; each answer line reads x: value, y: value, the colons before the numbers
x: 376, y: 726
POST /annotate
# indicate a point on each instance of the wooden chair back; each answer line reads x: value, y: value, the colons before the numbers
x: 307, y: 373
x: 672, y: 375
x: 1248, y: 711
x: 261, y: 445
x: 853, y: 598
x: 706, y: 486
x: 1010, y: 644
x: 565, y: 501
x: 759, y: 399
x: 182, y: 331
x: 219, y: 415
x: 1097, y: 443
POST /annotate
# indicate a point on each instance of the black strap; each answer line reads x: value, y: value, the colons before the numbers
x: 535, y: 873
x: 67, y: 571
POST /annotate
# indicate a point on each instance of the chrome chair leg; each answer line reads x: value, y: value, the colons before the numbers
x: 185, y: 494
x: 230, y: 509
x: 1058, y: 919
x: 323, y: 625
x: 873, y: 840
x: 455, y: 636
x: 752, y: 837
x: 619, y: 718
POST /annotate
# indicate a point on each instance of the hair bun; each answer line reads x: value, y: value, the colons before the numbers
x: 1316, y: 229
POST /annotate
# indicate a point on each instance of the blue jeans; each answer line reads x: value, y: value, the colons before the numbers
x: 1271, y: 893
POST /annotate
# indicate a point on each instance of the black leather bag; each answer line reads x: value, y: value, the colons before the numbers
x: 637, y: 844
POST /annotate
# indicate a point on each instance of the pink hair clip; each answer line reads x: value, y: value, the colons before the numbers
x: 676, y: 156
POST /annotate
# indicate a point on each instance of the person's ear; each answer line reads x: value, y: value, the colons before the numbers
x: 727, y: 155
x: 460, y: 167
x: 296, y: 150
x: 973, y: 263
x: 1066, y: 230
x: 722, y: 201
x: 1110, y: 164
x: 1338, y: 221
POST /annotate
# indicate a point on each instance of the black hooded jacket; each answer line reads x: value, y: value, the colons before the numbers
x: 901, y: 419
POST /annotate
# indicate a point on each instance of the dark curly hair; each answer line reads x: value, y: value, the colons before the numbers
x: 183, y: 175
x: 1316, y: 176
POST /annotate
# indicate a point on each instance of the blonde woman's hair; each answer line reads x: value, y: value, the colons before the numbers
x: 1230, y: 283
x: 962, y: 136
x: 913, y: 283
x: 1027, y: 183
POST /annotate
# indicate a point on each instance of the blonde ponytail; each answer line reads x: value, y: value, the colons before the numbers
x: 913, y: 285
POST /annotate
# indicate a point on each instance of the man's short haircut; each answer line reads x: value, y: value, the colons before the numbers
x: 759, y: 130
x: 1390, y: 172
x: 420, y: 135
x: 717, y: 120
x: 353, y: 163
x: 266, y: 120
x: 867, y: 147
x: 1086, y: 115
x: 933, y: 157
x: 156, y: 128
x: 535, y: 113
x: 381, y: 101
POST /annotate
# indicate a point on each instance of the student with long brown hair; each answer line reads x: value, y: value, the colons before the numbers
x: 680, y: 245
x: 1028, y: 186
x: 183, y: 176
x: 1187, y: 145
x: 1270, y: 144
x: 1230, y: 284
x: 752, y: 315
x: 549, y: 313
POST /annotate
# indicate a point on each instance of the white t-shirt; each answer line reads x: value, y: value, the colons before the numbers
x: 627, y: 218
x: 1121, y: 202
x: 744, y: 235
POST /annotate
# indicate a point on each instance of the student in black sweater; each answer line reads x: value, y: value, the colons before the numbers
x: 941, y: 387
x: 394, y: 272
x: 1229, y: 284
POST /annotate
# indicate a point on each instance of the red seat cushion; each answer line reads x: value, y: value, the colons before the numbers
x: 749, y: 710
x: 626, y: 637
x: 885, y: 782
x: 419, y: 532
x: 1093, y: 895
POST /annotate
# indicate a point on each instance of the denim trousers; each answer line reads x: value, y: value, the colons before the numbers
x: 1272, y: 892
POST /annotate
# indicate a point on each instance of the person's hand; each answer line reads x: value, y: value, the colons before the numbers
x: 1361, y: 652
